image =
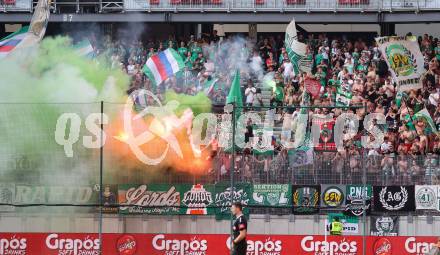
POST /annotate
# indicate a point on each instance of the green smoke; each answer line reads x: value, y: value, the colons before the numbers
x: 36, y: 87
x: 198, y: 103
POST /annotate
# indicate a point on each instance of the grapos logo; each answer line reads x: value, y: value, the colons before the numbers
x: 164, y: 115
x: 193, y: 246
x: 87, y: 246
x: 13, y: 245
x: 261, y: 247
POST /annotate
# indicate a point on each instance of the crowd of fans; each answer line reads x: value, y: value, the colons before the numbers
x: 337, y: 61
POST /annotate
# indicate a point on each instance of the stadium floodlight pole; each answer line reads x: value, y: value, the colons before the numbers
x: 231, y: 171
x: 101, y: 162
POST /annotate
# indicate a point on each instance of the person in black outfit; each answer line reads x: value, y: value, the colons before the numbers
x: 239, y: 244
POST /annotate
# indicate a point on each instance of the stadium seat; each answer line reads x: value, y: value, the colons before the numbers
x: 291, y: 2
x: 216, y: 1
x: 8, y: 2
x: 175, y: 1
x: 353, y: 1
x: 154, y: 2
x: 260, y: 2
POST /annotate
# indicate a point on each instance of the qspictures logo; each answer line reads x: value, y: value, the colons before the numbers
x: 15, y: 245
x: 68, y: 126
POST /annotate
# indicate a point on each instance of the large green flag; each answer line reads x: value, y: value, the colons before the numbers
x: 234, y: 95
x: 424, y: 114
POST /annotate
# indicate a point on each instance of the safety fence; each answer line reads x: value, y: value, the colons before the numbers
x: 99, y: 159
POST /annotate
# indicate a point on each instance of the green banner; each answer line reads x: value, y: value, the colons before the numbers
x: 197, y: 199
x: 224, y: 196
x: 274, y: 195
x: 149, y: 199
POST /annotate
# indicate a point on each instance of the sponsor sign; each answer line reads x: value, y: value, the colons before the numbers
x: 198, y: 200
x: 350, y: 224
x: 200, y: 244
x: 394, y: 198
x: 150, y: 199
x: 262, y: 245
x: 224, y: 196
x: 272, y: 195
x: 332, y: 196
x: 306, y: 199
x: 426, y: 197
x: 384, y: 226
x: 126, y: 245
x: 72, y: 244
x: 14, y: 243
x: 358, y: 199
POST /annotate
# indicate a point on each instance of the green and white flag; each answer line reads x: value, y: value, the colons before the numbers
x: 404, y: 59
x: 296, y: 50
x: 424, y: 114
x: 343, y: 95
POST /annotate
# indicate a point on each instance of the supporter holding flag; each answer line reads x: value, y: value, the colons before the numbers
x: 163, y: 65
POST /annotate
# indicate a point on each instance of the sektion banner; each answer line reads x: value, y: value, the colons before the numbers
x: 404, y: 59
x: 200, y: 244
x: 394, y: 198
x: 277, y: 195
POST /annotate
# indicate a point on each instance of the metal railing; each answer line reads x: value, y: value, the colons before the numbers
x: 98, y: 6
x: 16, y: 6
x: 280, y: 5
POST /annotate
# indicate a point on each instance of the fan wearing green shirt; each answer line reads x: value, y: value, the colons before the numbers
x: 437, y: 51
x: 183, y: 51
x: 195, y: 50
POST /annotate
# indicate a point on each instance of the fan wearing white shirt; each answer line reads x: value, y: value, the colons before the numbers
x: 250, y: 94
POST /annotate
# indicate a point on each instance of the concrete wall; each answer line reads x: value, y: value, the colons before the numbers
x: 281, y: 28
x: 419, y: 29
x: 258, y: 224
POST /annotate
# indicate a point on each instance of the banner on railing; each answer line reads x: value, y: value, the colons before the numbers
x: 394, y: 198
x: 404, y: 59
x: 333, y: 196
x: 149, y: 199
x: 205, y: 244
x: 426, y: 197
x: 358, y: 199
x: 224, y: 196
x: 384, y: 226
x: 306, y: 199
x: 20, y: 194
x: 276, y: 195
x: 350, y: 224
